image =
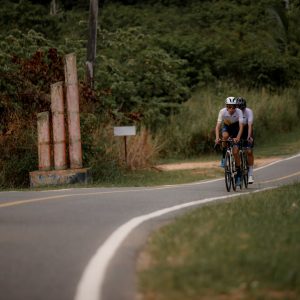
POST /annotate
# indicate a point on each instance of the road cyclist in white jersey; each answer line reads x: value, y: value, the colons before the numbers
x: 247, y: 134
x: 230, y: 125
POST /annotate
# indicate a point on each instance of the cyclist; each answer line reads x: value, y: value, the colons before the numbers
x: 247, y: 133
x: 230, y: 118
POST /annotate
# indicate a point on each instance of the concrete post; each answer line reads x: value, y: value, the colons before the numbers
x: 43, y: 128
x: 72, y: 96
x: 58, y: 126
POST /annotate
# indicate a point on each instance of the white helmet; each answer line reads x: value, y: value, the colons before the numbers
x: 230, y: 101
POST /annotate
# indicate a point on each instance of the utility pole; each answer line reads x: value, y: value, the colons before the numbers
x: 53, y: 8
x: 92, y: 42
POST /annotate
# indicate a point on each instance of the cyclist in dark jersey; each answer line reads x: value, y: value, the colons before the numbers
x: 247, y: 133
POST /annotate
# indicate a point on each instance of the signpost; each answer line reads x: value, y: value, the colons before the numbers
x: 125, y: 131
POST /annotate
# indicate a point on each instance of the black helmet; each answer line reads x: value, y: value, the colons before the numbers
x: 241, y: 102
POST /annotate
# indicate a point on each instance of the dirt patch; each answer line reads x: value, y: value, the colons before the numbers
x: 209, y: 164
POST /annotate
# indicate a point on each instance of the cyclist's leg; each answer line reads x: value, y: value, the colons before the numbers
x: 236, y: 155
x: 250, y: 158
x: 233, y: 132
x: 225, y: 136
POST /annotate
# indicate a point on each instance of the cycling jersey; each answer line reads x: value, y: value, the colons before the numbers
x: 247, y: 116
x: 231, y: 123
x: 228, y: 119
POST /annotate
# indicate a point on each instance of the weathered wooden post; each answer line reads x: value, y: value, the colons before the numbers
x: 43, y: 128
x: 72, y: 97
x: 58, y: 126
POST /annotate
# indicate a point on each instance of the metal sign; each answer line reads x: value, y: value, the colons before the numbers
x: 124, y: 130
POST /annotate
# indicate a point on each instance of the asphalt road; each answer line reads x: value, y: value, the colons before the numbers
x: 82, y: 244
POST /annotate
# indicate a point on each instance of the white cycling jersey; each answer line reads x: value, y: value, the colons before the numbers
x: 247, y: 116
x: 228, y: 119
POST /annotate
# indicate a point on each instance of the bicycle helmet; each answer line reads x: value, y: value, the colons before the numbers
x: 230, y: 101
x: 241, y: 102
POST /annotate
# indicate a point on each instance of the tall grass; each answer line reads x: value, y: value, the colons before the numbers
x: 143, y: 148
x: 104, y: 153
x: 191, y: 132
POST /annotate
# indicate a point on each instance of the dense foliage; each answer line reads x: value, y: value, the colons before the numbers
x: 150, y: 56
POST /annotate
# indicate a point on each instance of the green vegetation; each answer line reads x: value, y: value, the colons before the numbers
x: 165, y: 66
x: 247, y: 248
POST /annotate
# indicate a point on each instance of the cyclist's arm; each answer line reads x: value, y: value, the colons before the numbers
x: 218, y: 128
x: 250, y: 123
x: 250, y: 131
x: 218, y: 125
x: 241, y: 126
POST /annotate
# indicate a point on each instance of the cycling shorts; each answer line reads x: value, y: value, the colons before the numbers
x: 232, y: 129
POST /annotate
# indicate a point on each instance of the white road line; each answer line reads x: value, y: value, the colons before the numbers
x: 91, y: 283
x: 277, y: 161
x: 280, y: 178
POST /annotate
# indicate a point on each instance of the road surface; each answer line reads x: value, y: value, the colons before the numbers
x: 82, y: 244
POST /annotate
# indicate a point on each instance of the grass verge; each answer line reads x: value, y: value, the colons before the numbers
x: 248, y: 248
x: 155, y: 177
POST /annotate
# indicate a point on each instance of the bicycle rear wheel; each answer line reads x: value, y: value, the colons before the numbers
x: 227, y: 170
x: 245, y: 170
x: 242, y: 168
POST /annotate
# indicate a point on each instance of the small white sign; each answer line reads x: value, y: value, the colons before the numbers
x: 124, y: 130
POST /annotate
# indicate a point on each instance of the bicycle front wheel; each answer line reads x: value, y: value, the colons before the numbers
x: 227, y: 170
x: 233, y: 173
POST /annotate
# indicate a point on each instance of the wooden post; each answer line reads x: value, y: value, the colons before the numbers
x: 43, y: 128
x: 58, y: 126
x: 72, y: 97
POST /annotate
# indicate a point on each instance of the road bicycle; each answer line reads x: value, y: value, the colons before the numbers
x: 229, y: 165
x: 230, y: 171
